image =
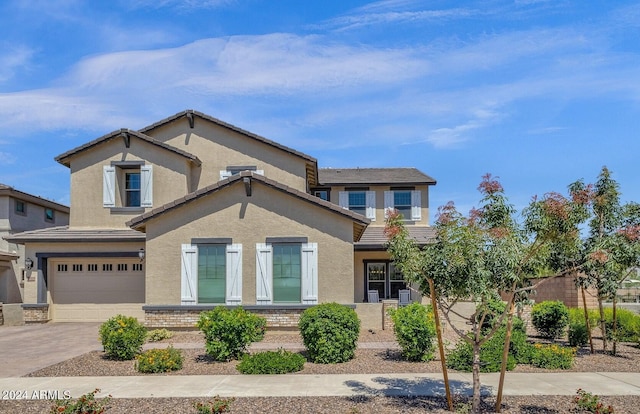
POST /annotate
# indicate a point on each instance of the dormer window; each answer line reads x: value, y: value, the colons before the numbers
x: 127, y: 184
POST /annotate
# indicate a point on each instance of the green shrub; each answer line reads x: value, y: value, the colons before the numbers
x: 494, y: 309
x: 159, y: 360
x: 415, y: 330
x: 158, y: 335
x: 329, y: 332
x: 271, y: 362
x: 217, y: 405
x: 520, y: 351
x: 228, y: 333
x: 578, y: 334
x: 550, y: 318
x: 628, y: 324
x: 86, y: 404
x: 552, y: 356
x: 122, y: 337
x: 576, y: 315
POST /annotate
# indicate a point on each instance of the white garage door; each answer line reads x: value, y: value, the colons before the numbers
x: 95, y: 289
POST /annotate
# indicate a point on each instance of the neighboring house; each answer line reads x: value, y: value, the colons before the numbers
x: 191, y: 212
x: 21, y: 212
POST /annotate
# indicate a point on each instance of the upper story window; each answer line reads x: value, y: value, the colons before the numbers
x: 359, y: 201
x: 127, y: 184
x: 237, y: 169
x: 49, y: 215
x: 407, y: 202
x: 21, y: 208
x: 132, y: 189
x: 322, y: 193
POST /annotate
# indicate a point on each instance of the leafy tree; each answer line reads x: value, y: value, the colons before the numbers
x: 612, y: 248
x: 488, y: 252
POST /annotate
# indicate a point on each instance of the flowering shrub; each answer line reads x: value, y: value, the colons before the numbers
x: 86, y: 404
x: 552, y: 356
x: 158, y: 335
x: 228, y: 333
x: 122, y: 337
x: 159, y: 360
x: 217, y: 405
x: 586, y: 401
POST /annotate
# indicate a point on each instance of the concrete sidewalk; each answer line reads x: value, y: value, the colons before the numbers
x: 603, y: 383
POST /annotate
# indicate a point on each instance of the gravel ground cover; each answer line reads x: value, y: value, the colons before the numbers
x: 384, y: 360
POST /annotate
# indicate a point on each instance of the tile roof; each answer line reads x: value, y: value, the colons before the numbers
x: 346, y: 176
x: 360, y: 222
x: 21, y: 195
x: 64, y: 234
x: 375, y: 239
x: 64, y: 158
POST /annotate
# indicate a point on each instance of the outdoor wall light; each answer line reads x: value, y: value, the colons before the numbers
x: 141, y: 254
x: 28, y: 263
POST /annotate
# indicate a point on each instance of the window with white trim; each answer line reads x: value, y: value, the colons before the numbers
x: 211, y: 273
x: 127, y: 184
x: 286, y: 273
x: 407, y: 202
x: 359, y: 201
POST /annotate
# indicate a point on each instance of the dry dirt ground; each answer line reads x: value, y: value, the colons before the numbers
x: 385, y: 360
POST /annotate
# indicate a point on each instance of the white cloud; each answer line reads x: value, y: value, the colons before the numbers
x: 13, y: 59
x: 7, y: 158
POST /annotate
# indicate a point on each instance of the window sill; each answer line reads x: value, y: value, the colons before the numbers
x: 127, y: 210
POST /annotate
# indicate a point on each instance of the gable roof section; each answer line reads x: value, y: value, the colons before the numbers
x: 375, y: 239
x: 359, y: 222
x: 21, y: 195
x: 124, y: 134
x: 64, y: 234
x: 190, y: 114
x: 373, y: 176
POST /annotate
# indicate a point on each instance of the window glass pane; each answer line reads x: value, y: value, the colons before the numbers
x: 402, y: 203
x: 358, y: 202
x: 287, y: 272
x: 48, y: 214
x: 132, y: 189
x: 212, y: 273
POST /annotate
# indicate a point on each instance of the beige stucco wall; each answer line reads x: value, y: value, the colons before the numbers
x: 249, y: 220
x: 172, y: 177
x: 379, y: 221
x: 220, y: 147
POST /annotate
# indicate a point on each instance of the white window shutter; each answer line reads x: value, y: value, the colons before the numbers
x: 264, y: 274
x: 309, y: 261
x: 189, y: 275
x: 234, y: 274
x: 146, y: 186
x: 416, y: 205
x: 371, y: 205
x: 388, y: 203
x: 343, y: 199
x: 225, y: 174
x: 109, y: 186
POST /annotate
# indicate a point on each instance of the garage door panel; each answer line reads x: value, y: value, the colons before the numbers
x: 78, y: 294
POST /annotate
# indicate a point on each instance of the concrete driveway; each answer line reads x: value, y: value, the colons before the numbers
x: 24, y: 349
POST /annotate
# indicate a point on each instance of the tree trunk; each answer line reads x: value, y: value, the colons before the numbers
x: 586, y: 319
x: 615, y: 326
x: 505, y: 355
x: 475, y: 407
x: 603, y: 326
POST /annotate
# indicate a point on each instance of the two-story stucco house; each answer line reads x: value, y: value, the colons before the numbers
x: 192, y: 212
x: 19, y: 212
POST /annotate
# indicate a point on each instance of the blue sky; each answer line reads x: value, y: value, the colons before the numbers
x: 537, y: 92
